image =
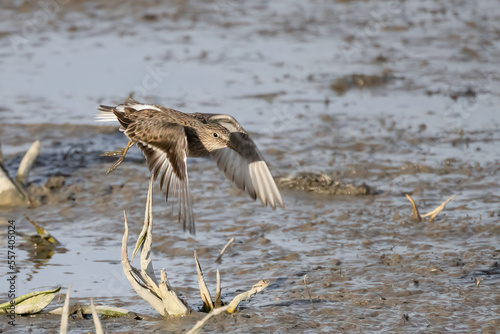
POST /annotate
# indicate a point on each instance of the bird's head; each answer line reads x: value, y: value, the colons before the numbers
x: 215, y: 136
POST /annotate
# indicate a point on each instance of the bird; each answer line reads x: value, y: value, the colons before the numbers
x: 167, y: 137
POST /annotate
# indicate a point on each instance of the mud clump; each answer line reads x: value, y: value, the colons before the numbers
x: 322, y: 183
x: 342, y: 85
x: 54, y: 191
x: 55, y: 183
x: 391, y: 260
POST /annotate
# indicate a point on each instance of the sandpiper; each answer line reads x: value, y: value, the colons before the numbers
x: 167, y: 137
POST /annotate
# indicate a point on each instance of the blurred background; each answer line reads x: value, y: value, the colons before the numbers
x: 400, y: 95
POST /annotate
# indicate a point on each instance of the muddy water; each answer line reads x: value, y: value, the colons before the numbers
x: 400, y: 96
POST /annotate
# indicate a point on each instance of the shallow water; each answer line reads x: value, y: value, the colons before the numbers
x: 429, y: 127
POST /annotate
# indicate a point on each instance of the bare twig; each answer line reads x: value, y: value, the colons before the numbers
x: 141, y: 289
x: 95, y: 317
x: 205, y: 294
x: 147, y: 227
x: 415, y: 216
x: 169, y: 304
x: 147, y: 270
x: 199, y: 325
x: 437, y: 210
x: 65, y: 312
x: 218, y: 300
x: 11, y: 193
x: 308, y: 292
x: 255, y: 289
x: 27, y: 162
x: 478, y: 281
x: 231, y: 307
x: 160, y: 296
x: 218, y: 259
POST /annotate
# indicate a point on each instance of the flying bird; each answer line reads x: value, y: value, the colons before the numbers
x: 167, y: 137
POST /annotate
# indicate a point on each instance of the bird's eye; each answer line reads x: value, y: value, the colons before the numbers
x: 216, y: 135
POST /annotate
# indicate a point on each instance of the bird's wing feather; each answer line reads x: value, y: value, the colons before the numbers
x: 166, y: 159
x: 245, y: 165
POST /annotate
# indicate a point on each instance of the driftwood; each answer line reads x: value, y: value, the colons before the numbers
x: 95, y: 317
x: 415, y: 215
x: 13, y: 192
x: 231, y: 307
x: 65, y: 313
x: 208, y: 305
x: 160, y: 295
x: 27, y: 163
x: 219, y: 258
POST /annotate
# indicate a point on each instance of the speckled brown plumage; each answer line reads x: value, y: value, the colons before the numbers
x: 167, y: 137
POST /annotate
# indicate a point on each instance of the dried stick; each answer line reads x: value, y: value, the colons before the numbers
x: 65, y: 313
x: 437, y: 210
x: 27, y: 162
x: 218, y: 259
x: 205, y: 294
x: 308, y: 292
x: 95, y: 317
x: 199, y: 325
x: 231, y: 307
x: 218, y: 300
x: 415, y: 216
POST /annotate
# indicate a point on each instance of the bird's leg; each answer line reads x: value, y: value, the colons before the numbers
x: 123, y: 152
x: 112, y: 153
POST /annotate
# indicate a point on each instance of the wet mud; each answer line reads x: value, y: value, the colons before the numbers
x: 323, y: 184
x: 414, y: 112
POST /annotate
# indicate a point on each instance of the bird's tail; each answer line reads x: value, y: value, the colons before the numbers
x: 106, y: 114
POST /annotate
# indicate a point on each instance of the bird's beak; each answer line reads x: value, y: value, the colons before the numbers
x: 231, y: 146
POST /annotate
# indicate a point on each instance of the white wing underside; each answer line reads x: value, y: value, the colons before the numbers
x: 105, y: 117
x: 254, y: 177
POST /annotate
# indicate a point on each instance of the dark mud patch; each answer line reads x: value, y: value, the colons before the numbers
x: 53, y: 191
x: 323, y: 184
x: 342, y: 85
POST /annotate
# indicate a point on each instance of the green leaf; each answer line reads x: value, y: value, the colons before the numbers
x: 43, y: 233
x: 31, y: 303
x: 108, y: 311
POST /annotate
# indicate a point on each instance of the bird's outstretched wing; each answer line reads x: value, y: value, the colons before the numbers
x: 244, y: 165
x: 165, y: 149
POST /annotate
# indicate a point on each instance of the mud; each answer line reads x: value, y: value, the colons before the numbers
x: 360, y: 81
x: 323, y: 184
x: 431, y: 130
